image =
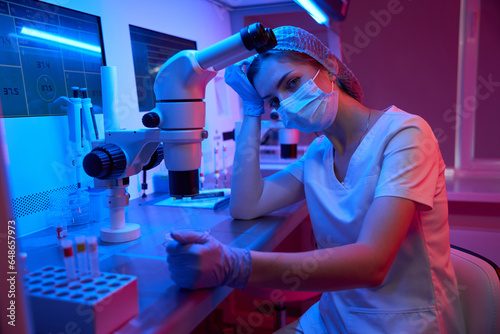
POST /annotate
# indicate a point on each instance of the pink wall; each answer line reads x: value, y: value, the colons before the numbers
x: 406, y: 53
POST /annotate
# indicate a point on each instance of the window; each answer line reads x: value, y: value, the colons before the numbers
x: 478, y: 96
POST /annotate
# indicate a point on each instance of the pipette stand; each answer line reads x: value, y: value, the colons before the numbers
x: 117, y: 201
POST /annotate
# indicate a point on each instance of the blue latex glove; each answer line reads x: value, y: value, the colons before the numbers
x: 236, y: 77
x: 197, y: 260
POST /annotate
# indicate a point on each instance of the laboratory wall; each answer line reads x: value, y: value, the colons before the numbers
x: 405, y: 53
x: 39, y: 160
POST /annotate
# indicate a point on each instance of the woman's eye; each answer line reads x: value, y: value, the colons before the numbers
x: 293, y: 83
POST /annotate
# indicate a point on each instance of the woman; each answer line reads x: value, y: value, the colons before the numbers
x: 375, y: 190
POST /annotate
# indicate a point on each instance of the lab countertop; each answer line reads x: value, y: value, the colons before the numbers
x: 163, y: 306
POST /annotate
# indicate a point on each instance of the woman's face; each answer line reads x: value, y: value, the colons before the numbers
x: 278, y: 80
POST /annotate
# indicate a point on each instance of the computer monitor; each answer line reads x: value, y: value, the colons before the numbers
x: 44, y: 51
x: 150, y: 50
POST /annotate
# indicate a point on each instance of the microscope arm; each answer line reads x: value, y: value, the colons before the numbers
x: 177, y: 122
x: 180, y: 92
x: 178, y: 119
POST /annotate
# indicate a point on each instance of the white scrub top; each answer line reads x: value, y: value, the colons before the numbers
x: 399, y: 157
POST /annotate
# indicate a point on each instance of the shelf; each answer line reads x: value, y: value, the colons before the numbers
x: 472, y: 187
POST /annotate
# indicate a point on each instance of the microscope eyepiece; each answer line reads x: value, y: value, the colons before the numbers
x: 253, y: 36
x: 257, y: 37
x: 271, y: 42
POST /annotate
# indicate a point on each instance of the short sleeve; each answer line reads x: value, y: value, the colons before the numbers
x: 410, y: 167
x: 297, y: 169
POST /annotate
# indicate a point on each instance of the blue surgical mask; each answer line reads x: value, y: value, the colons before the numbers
x: 309, y: 109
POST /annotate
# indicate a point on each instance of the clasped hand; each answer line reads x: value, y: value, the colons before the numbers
x: 198, y: 260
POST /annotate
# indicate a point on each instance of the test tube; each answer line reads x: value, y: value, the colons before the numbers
x: 69, y: 259
x: 224, y: 169
x: 61, y: 226
x: 216, y: 172
x: 202, y: 173
x: 24, y: 269
x: 93, y: 256
x: 81, y: 255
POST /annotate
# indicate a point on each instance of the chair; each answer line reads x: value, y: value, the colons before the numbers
x: 279, y: 306
x: 479, y: 288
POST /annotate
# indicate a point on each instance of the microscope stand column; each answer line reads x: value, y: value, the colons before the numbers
x: 119, y: 231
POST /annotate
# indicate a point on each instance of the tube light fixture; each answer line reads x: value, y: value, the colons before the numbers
x: 58, y: 39
x: 312, y: 8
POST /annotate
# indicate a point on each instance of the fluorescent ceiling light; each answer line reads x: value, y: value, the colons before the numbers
x: 58, y: 39
x: 312, y: 8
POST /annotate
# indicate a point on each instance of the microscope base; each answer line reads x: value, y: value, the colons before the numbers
x: 128, y: 233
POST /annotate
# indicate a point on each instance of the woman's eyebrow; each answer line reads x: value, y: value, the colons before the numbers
x: 278, y: 84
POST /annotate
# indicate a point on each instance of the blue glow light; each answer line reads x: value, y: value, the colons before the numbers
x: 316, y: 13
x: 58, y: 39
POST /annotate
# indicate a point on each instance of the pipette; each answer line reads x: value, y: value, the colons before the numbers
x: 89, y: 116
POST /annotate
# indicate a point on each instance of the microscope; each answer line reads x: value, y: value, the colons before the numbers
x: 175, y: 126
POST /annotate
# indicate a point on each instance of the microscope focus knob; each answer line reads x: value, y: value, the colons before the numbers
x: 105, y: 162
x: 151, y: 120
